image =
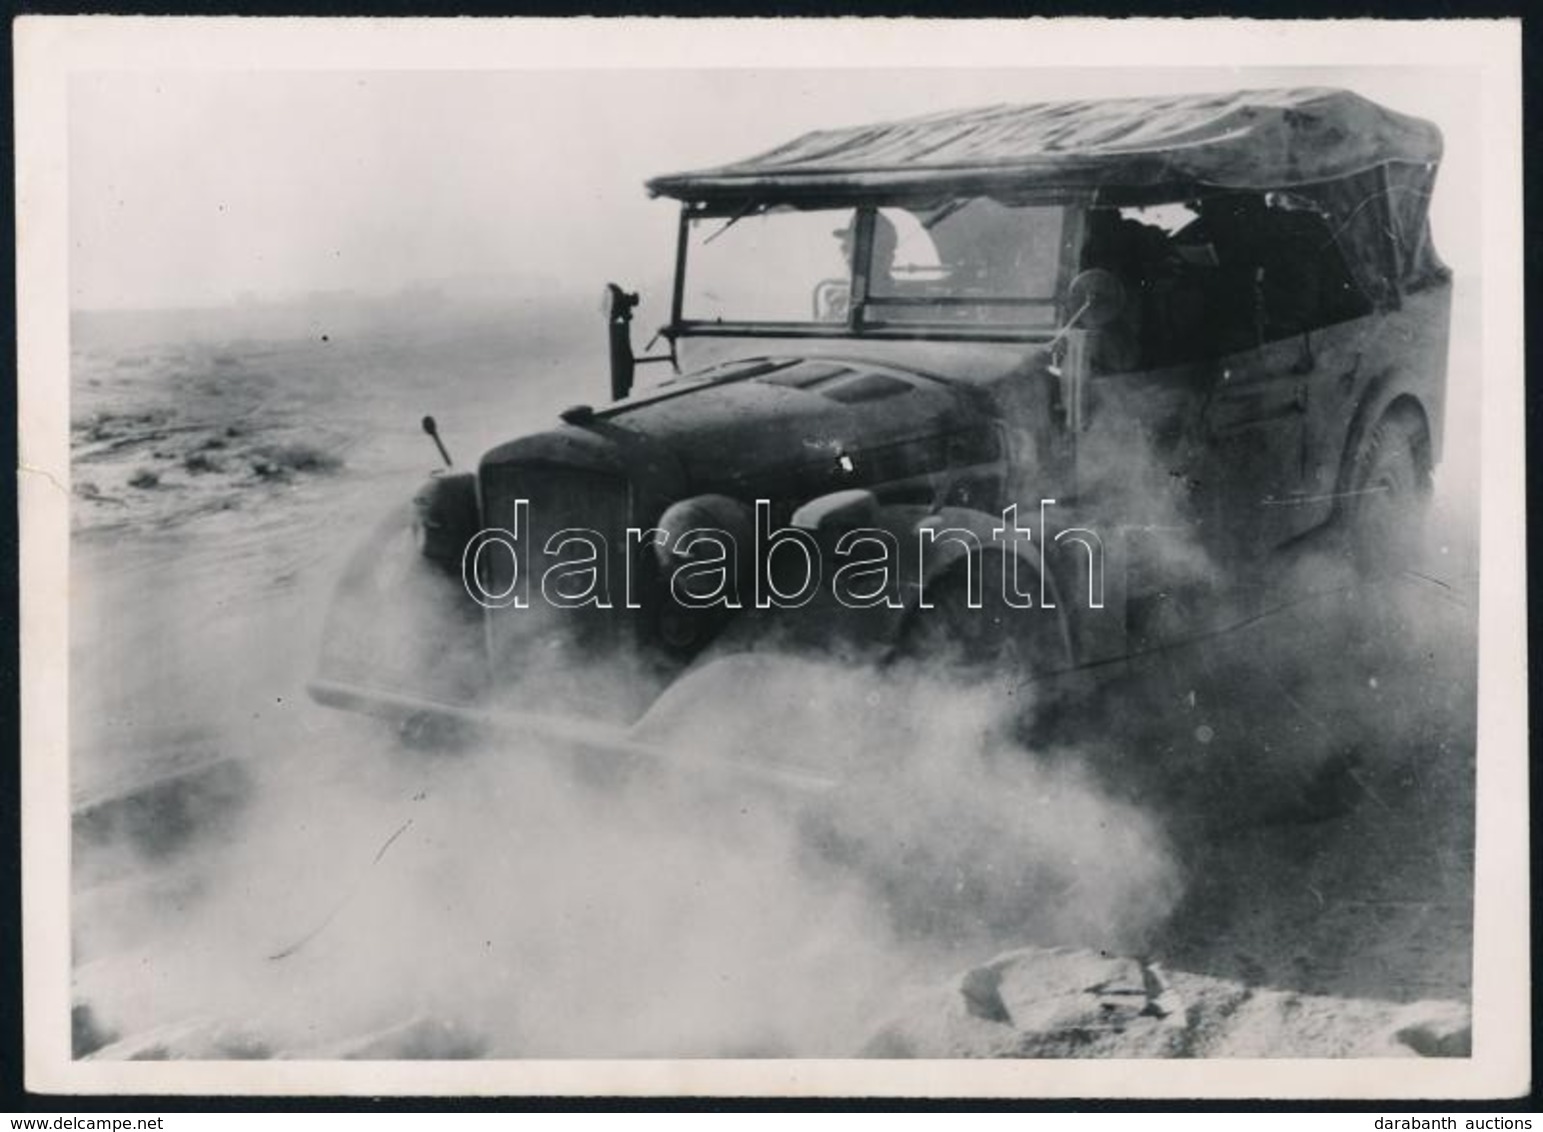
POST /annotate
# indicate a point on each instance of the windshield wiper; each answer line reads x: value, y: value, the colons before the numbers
x: 753, y: 206
x: 943, y: 214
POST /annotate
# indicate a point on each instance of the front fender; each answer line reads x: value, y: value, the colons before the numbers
x: 399, y: 622
x: 938, y: 555
x: 445, y: 517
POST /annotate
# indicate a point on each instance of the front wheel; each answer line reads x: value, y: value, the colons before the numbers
x: 973, y: 632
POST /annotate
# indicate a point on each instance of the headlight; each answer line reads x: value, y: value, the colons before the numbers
x: 720, y: 514
x: 445, y: 517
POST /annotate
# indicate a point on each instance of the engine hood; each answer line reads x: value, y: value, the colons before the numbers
x: 778, y: 425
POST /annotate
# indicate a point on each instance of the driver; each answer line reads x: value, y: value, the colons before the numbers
x: 831, y: 295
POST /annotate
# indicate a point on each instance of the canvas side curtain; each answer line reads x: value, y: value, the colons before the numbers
x: 1380, y: 219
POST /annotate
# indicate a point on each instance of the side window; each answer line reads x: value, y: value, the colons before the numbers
x: 1219, y: 275
x: 1305, y: 282
x: 1278, y: 270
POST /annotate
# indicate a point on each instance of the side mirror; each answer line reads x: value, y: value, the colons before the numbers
x: 617, y: 306
x: 616, y: 303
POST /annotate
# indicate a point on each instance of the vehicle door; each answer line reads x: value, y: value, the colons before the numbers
x: 1281, y: 286
x: 1198, y: 361
x: 1271, y: 419
x: 1255, y: 428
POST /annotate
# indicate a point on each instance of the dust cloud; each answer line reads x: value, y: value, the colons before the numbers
x: 498, y: 899
x: 331, y: 891
x: 495, y: 895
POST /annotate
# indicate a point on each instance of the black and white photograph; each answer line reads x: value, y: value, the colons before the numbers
x: 803, y: 557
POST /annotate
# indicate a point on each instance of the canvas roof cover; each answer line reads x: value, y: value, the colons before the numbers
x: 1265, y: 139
x: 1368, y: 171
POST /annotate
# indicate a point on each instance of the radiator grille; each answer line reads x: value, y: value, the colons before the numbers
x: 544, y: 635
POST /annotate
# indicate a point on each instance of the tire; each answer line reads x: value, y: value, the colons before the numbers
x: 995, y: 641
x: 1387, y: 493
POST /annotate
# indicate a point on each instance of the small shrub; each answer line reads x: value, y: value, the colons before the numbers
x: 308, y: 458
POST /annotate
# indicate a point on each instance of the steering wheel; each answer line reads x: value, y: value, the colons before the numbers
x: 832, y: 300
x: 1096, y: 297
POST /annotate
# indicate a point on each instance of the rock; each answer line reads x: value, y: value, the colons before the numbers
x: 1062, y: 1002
x: 1068, y: 1002
x: 1065, y: 987
x: 418, y: 1039
x: 87, y: 1034
x: 981, y: 988
x: 1435, y: 1029
x: 1278, y: 1023
x: 197, y: 1040
x: 197, y: 462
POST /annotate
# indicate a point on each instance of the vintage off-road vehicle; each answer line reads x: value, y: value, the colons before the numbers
x: 1030, y: 374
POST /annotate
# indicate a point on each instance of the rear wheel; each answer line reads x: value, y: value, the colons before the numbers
x: 1388, y: 492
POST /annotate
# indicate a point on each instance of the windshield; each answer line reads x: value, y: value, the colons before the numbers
x: 966, y: 263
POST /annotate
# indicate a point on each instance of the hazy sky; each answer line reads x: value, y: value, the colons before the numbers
x: 189, y: 188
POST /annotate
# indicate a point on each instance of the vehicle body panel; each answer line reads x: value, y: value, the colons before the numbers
x: 1199, y: 430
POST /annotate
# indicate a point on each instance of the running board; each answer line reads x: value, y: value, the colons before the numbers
x: 598, y: 740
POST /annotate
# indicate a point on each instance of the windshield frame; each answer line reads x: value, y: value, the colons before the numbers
x: 860, y: 322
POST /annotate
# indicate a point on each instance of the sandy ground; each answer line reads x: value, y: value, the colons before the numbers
x: 218, y: 480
